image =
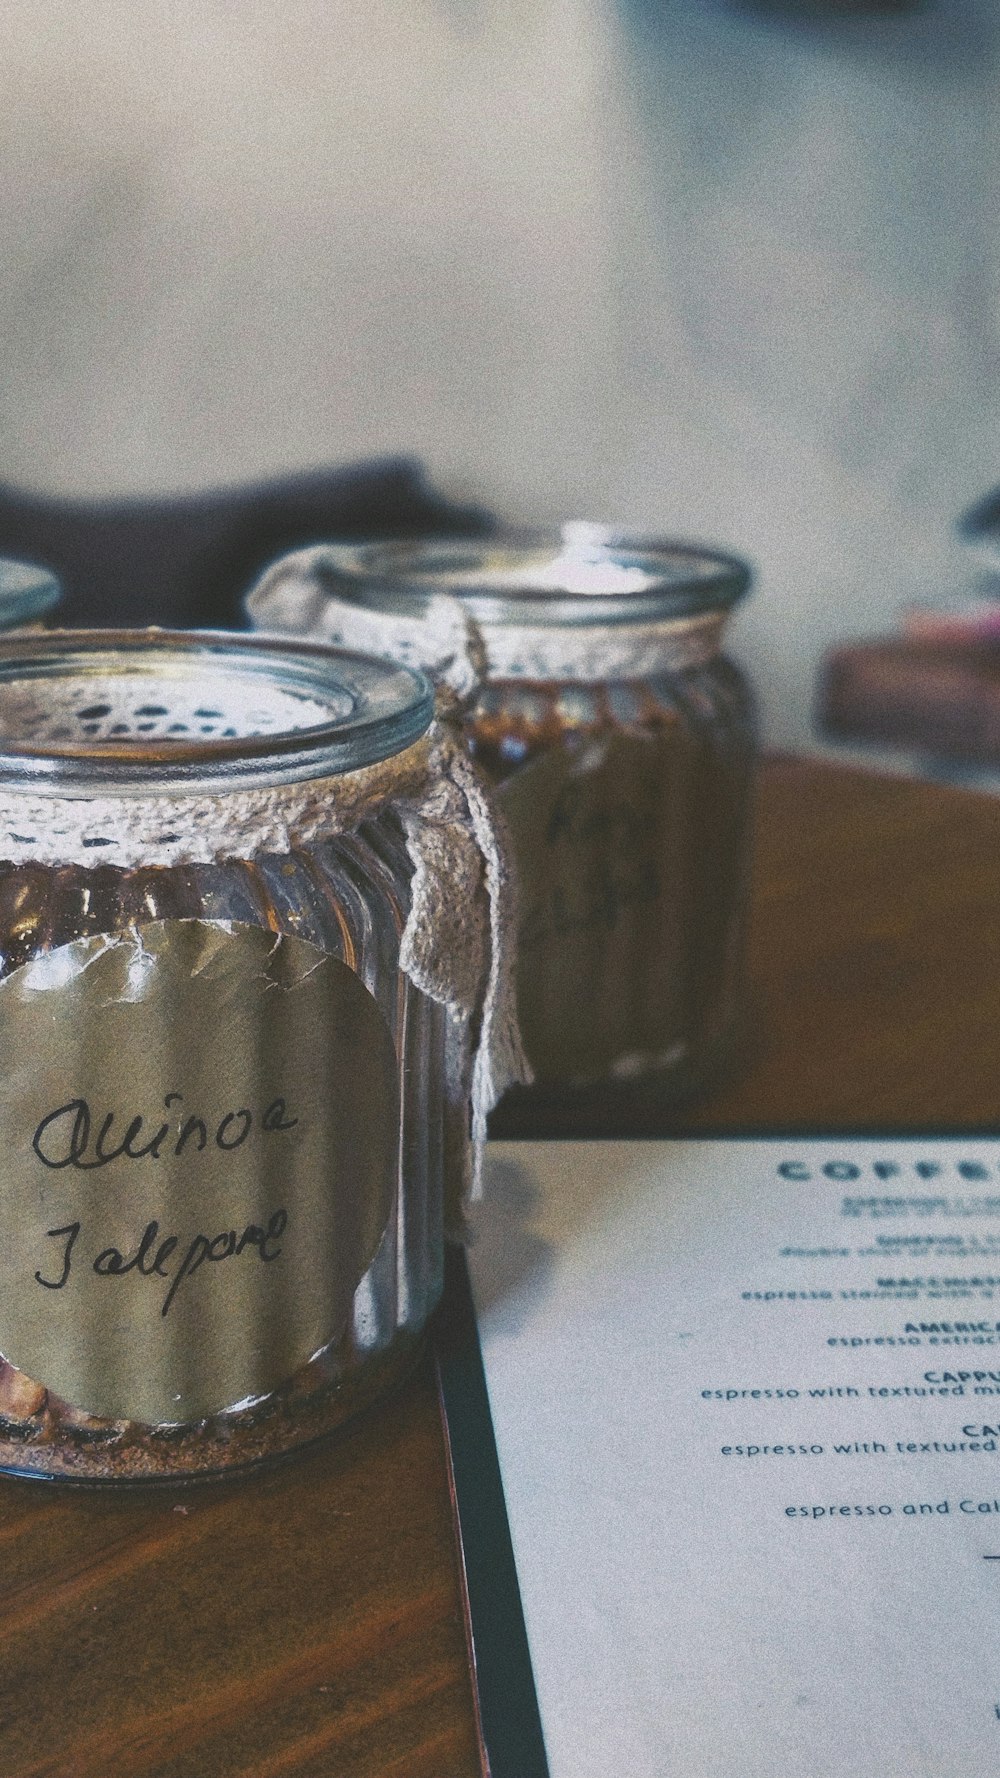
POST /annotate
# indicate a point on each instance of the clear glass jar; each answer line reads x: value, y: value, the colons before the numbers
x: 27, y: 592
x: 221, y: 1096
x: 622, y: 741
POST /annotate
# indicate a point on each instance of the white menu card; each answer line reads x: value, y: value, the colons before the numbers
x: 747, y: 1404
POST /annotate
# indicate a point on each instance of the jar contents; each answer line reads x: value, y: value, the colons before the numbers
x: 630, y: 822
x: 226, y: 1098
x: 621, y: 742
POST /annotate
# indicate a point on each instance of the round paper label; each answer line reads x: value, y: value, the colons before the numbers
x: 199, y: 1140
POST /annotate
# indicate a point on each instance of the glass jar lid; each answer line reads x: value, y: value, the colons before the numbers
x: 148, y: 710
x: 27, y: 592
x: 581, y: 573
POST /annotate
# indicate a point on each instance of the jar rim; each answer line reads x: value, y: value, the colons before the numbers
x: 27, y: 591
x: 577, y: 573
x: 79, y: 712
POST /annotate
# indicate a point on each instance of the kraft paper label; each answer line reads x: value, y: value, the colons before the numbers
x: 199, y: 1133
x: 598, y: 836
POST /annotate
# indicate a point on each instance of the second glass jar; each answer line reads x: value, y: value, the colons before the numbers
x: 622, y: 742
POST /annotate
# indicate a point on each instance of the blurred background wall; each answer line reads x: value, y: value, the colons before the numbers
x: 696, y: 265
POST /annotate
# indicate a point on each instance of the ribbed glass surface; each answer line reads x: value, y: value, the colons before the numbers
x: 629, y: 806
x: 349, y: 897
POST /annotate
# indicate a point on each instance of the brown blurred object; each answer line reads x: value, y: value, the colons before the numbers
x: 934, y: 698
x: 967, y: 628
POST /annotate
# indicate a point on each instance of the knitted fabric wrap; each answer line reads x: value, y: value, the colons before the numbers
x: 455, y: 945
x: 299, y: 596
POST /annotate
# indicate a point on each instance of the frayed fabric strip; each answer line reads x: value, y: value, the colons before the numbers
x: 458, y: 946
x: 183, y: 826
x: 300, y: 596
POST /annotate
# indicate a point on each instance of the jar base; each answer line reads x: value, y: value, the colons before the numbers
x: 157, y: 1457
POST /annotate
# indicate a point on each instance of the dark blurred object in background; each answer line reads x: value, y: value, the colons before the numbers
x: 828, y: 9
x: 980, y: 526
x: 188, y: 559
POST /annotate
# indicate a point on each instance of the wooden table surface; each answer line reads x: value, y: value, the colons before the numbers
x: 874, y: 958
x: 309, y: 1622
